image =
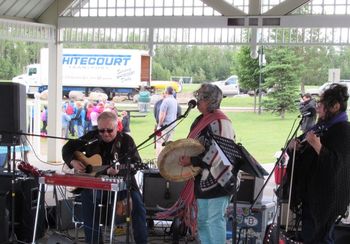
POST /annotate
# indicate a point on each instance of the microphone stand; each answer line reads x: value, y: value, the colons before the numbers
x: 156, y: 132
x: 144, y: 142
x: 13, y: 237
x: 29, y: 134
x: 128, y: 195
x: 279, y: 194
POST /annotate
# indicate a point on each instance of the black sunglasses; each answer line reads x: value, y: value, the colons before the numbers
x: 105, y: 130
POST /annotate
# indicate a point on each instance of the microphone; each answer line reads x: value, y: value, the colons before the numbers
x: 191, y: 104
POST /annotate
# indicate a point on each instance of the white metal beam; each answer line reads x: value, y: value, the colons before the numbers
x: 224, y: 7
x: 26, y: 31
x: 50, y: 15
x: 317, y: 21
x: 285, y: 7
x: 142, y: 22
x: 254, y: 7
x: 54, y: 146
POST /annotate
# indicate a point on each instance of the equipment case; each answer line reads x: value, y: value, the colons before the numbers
x: 251, y: 224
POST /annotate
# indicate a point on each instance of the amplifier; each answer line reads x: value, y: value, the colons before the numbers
x: 249, y: 188
x: 68, y: 212
x: 26, y: 198
x: 158, y: 191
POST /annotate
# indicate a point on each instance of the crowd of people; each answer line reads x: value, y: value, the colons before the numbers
x: 79, y: 117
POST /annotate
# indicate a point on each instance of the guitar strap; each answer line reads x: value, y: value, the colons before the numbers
x: 115, y: 150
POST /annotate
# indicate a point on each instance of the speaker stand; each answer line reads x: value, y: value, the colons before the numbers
x: 13, y: 237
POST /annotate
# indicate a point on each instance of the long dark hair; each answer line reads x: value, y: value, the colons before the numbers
x: 336, y: 93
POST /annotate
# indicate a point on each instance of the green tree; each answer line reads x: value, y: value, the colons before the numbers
x: 203, y: 63
x: 281, y: 73
x: 247, y: 70
x: 159, y: 73
x: 344, y: 63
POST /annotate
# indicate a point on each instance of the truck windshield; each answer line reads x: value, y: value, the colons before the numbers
x: 231, y: 81
x: 32, y: 71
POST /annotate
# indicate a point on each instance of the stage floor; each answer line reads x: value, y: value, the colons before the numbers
x: 157, y: 235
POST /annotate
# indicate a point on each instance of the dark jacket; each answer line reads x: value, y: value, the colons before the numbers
x: 323, y: 181
x: 123, y: 147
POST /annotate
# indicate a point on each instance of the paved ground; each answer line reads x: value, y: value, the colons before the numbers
x: 159, y: 234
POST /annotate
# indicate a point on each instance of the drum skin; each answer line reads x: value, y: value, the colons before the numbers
x: 168, y: 160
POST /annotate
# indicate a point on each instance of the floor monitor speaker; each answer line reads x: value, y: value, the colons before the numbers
x: 12, y: 112
x: 158, y: 191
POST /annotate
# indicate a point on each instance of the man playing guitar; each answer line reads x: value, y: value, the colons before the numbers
x: 112, y: 146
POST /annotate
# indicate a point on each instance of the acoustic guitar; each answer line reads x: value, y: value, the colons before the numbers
x: 93, y: 164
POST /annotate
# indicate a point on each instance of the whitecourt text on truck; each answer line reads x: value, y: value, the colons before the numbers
x: 111, y: 71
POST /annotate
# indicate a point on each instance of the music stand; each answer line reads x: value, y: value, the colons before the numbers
x: 241, y: 159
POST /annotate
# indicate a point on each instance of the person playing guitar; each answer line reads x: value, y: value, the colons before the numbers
x: 112, y: 146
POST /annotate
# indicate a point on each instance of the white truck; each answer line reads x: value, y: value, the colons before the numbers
x: 111, y: 71
x: 229, y: 87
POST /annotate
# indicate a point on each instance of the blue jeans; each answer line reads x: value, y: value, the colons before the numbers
x: 308, y: 228
x: 91, y: 218
x: 211, y: 220
x: 138, y: 218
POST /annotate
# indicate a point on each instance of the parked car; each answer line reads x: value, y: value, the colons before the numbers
x: 229, y: 87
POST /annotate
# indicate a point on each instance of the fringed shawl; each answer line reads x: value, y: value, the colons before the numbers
x: 185, y: 207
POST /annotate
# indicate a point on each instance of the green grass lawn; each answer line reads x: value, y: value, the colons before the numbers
x: 262, y: 135
x: 238, y: 101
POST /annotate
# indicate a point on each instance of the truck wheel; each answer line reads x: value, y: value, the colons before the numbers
x: 100, y: 90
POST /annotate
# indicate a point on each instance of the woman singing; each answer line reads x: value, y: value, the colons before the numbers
x: 321, y: 182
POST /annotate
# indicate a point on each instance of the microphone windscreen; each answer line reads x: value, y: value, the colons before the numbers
x: 192, y: 103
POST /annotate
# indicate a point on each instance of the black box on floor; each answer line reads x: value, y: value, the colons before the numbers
x: 251, y: 225
x: 158, y: 191
x: 66, y: 213
x: 249, y: 188
x: 26, y: 199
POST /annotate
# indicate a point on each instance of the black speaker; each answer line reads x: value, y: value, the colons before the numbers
x: 159, y: 192
x: 26, y: 198
x: 64, y: 211
x: 12, y: 113
x: 249, y: 188
x: 68, y: 211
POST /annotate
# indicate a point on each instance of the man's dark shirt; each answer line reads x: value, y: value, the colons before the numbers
x: 123, y: 146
